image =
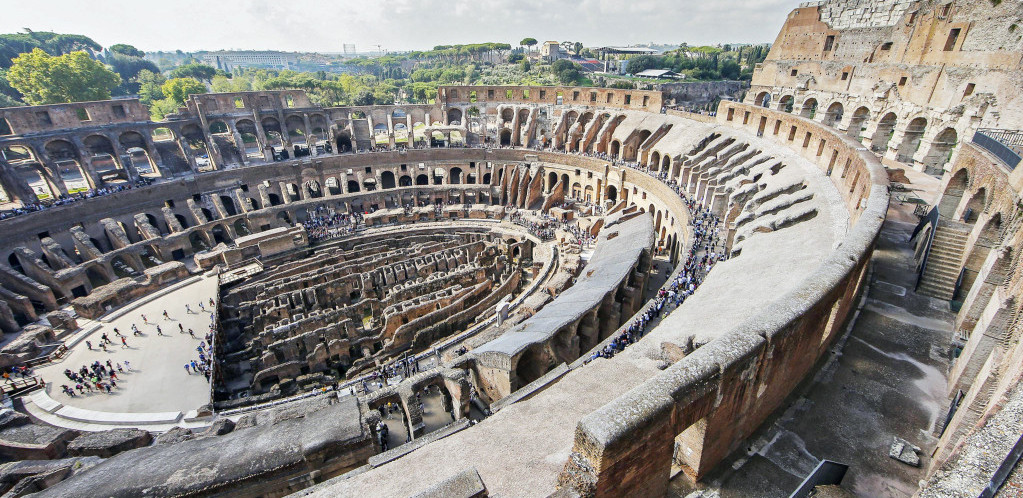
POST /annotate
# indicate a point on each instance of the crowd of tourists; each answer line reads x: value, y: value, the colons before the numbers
x: 63, y: 200
x: 324, y: 224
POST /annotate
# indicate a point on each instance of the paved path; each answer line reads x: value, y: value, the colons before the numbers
x: 157, y: 382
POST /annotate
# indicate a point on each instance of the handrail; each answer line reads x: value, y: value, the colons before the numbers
x: 1000, y: 143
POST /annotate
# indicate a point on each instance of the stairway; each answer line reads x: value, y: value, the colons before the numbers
x: 945, y: 260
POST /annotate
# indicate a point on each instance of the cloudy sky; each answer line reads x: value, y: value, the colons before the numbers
x: 323, y: 25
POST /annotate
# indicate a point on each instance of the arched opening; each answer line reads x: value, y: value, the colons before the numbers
x: 809, y: 108
x: 666, y: 163
x: 250, y: 141
x: 552, y: 180
x: 486, y: 178
x: 296, y: 129
x: 196, y: 142
x: 198, y: 243
x: 344, y: 142
x: 616, y: 147
x: 655, y: 161
x: 612, y: 194
x: 272, y: 130
x: 96, y: 277
x: 69, y: 170
x: 283, y: 216
x: 138, y: 154
x: 974, y: 206
x: 507, y: 115
x: 405, y: 181
x: 456, y: 176
x: 387, y: 180
x: 228, y: 205
x: 786, y: 103
x: 220, y: 235
x: 883, y: 133
x: 506, y: 136
x: 218, y: 127
x: 353, y: 186
x: 834, y: 114
x: 941, y: 150
x: 454, y: 117
x: 529, y: 367
x: 911, y: 140
x: 763, y: 99
x: 422, y: 180
x: 953, y: 193
x: 858, y: 123
x: 241, y: 227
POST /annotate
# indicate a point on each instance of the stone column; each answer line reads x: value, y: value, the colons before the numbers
x: 50, y: 172
x: 119, y: 153
x: 239, y: 143
x: 186, y: 150
x: 15, y: 187
x: 989, y: 334
x: 154, y: 154
x: 87, y: 166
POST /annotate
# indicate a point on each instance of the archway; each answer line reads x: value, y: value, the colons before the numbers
x: 809, y: 108
x: 344, y: 142
x: 763, y: 99
x: 616, y: 147
x: 612, y: 194
x: 405, y: 181
x: 456, y: 176
x: 883, y: 133
x: 220, y: 235
x: 422, y: 180
x: 941, y: 150
x: 454, y: 117
x: 353, y: 186
x: 911, y: 140
x: 974, y: 206
x: 506, y: 137
x: 786, y: 103
x: 834, y: 114
x: 552, y: 180
x: 856, y: 124
x: 387, y: 180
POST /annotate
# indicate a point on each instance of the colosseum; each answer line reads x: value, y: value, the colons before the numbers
x: 535, y: 291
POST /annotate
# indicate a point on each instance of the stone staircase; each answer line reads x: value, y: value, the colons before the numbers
x: 944, y: 262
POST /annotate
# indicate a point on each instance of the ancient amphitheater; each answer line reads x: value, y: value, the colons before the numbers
x: 528, y: 291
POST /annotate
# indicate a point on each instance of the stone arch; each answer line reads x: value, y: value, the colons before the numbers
x: 833, y: 116
x: 975, y: 206
x: 195, y: 140
x: 809, y: 108
x: 272, y: 130
x: 250, y: 140
x: 655, y: 161
x: 198, y: 243
x: 786, y: 103
x: 295, y: 127
x: 612, y: 194
x: 940, y: 153
x: 666, y: 163
x: 66, y: 158
x: 616, y: 147
x: 763, y: 99
x: 454, y: 116
x: 422, y: 180
x: 344, y: 142
x: 353, y: 186
x: 242, y: 228
x: 220, y: 234
x: 856, y: 124
x: 505, y: 136
x: 552, y: 180
x: 486, y: 178
x: 507, y: 115
x: 181, y: 221
x: 405, y: 181
x: 218, y: 127
x: 911, y: 139
x: 883, y: 133
x: 455, y: 177
x: 229, y: 206
x: 387, y: 180
x: 137, y: 150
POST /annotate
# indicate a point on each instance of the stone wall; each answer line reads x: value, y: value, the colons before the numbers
x: 718, y: 395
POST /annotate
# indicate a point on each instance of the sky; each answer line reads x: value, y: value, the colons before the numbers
x: 324, y: 25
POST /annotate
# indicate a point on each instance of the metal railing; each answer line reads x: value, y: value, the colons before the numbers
x: 1006, y: 145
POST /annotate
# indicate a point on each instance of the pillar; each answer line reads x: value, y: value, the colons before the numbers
x: 15, y: 186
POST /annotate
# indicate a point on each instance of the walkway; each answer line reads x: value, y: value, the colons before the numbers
x: 886, y: 379
x: 157, y: 381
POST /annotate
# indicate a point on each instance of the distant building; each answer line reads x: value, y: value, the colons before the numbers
x: 227, y: 61
x: 551, y: 51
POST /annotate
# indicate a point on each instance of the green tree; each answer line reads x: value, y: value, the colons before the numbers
x: 178, y: 89
x: 528, y: 42
x: 74, y: 77
x: 526, y: 66
x: 201, y: 72
x: 150, y: 86
x: 125, y: 49
x: 578, y: 48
